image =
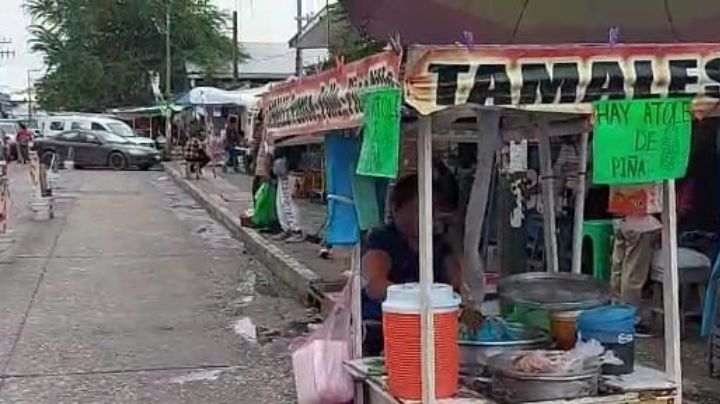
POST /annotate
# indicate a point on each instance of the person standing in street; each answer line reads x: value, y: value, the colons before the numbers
x: 636, y: 239
x: 23, y: 139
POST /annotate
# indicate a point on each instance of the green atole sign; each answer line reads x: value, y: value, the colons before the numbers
x: 380, y: 150
x: 637, y: 141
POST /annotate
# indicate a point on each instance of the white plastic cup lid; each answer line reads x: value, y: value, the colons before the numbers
x: 406, y: 297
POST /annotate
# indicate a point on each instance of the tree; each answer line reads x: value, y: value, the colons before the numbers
x: 100, y: 53
x: 346, y: 40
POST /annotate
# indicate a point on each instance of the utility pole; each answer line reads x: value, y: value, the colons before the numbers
x: 235, y: 46
x: 29, y: 90
x: 30, y: 95
x: 298, y: 51
x: 168, y: 82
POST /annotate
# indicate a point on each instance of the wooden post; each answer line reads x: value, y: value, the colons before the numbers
x: 425, y: 197
x: 475, y: 262
x: 356, y: 310
x: 512, y: 241
x: 579, y: 217
x: 671, y: 300
x: 548, y: 198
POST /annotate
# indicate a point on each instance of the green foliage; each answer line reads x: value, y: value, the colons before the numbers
x: 99, y: 53
x: 346, y: 40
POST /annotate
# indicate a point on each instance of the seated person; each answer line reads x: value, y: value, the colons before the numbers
x: 391, y: 257
x: 194, y: 152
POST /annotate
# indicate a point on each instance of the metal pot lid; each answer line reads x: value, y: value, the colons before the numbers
x: 554, y: 291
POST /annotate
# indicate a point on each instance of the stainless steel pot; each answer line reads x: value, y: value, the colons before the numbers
x: 476, y: 354
x: 511, y: 386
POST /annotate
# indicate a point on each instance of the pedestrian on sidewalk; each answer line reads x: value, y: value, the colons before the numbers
x: 233, y: 139
x: 288, y: 212
x: 23, y: 139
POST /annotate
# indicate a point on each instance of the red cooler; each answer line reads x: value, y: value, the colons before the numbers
x: 403, y: 353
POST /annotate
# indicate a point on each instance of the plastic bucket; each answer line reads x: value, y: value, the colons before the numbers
x: 614, y: 327
x: 403, y: 346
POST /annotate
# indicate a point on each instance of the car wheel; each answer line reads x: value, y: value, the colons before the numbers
x: 144, y: 167
x: 117, y: 161
x: 47, y: 158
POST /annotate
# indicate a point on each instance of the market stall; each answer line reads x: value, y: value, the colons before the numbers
x: 301, y: 114
x: 537, y: 93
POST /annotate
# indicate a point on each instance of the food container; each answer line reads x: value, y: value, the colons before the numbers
x: 512, y: 386
x: 402, y: 338
x: 563, y: 328
x: 476, y: 353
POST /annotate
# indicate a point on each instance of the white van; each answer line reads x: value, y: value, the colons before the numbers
x: 55, y: 124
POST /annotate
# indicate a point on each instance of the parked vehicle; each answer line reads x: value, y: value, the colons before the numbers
x: 56, y: 124
x: 96, y: 148
x: 9, y: 128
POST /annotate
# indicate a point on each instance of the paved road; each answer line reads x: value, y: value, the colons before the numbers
x: 132, y: 294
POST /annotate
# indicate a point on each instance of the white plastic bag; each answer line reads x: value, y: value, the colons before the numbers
x: 317, y: 360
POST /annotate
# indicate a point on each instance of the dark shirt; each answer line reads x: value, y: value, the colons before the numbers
x: 232, y: 137
x: 405, y: 267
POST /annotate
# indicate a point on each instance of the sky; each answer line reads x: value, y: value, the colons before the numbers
x: 259, y: 20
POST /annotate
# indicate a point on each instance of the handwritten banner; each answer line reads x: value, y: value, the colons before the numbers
x: 641, y: 141
x: 329, y: 100
x: 380, y: 150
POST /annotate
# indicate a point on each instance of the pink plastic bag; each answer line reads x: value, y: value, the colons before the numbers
x: 317, y: 359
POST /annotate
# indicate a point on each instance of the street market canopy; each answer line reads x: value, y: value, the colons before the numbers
x: 536, y: 21
x: 198, y: 96
x: 143, y: 112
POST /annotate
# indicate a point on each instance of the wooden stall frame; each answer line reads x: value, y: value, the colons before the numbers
x: 543, y: 132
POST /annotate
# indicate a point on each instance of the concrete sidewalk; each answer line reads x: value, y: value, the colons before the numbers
x: 227, y: 196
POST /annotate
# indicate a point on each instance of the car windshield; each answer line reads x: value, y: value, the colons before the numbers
x: 121, y: 129
x: 112, y: 138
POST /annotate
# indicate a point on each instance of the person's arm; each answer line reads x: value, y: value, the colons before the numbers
x: 471, y: 315
x: 454, y: 271
x: 376, y: 265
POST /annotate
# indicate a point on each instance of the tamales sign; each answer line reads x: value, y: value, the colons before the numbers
x: 439, y: 77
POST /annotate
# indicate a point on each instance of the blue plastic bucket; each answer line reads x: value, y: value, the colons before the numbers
x: 614, y: 327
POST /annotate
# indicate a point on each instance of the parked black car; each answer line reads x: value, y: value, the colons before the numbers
x: 95, y: 148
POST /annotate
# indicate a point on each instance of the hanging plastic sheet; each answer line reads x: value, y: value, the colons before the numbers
x: 341, y: 154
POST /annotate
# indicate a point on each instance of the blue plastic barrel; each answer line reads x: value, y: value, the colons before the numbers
x: 614, y: 327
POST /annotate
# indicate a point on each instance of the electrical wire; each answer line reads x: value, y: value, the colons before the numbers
x: 519, y: 21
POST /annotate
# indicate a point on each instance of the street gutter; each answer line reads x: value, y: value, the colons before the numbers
x: 296, y: 275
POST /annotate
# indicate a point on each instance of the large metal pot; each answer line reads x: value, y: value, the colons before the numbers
x: 511, y: 386
x: 476, y: 354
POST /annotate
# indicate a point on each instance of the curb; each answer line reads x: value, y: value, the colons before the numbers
x: 291, y: 271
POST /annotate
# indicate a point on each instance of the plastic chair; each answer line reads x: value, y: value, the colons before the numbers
x: 693, y: 274
x: 600, y: 233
